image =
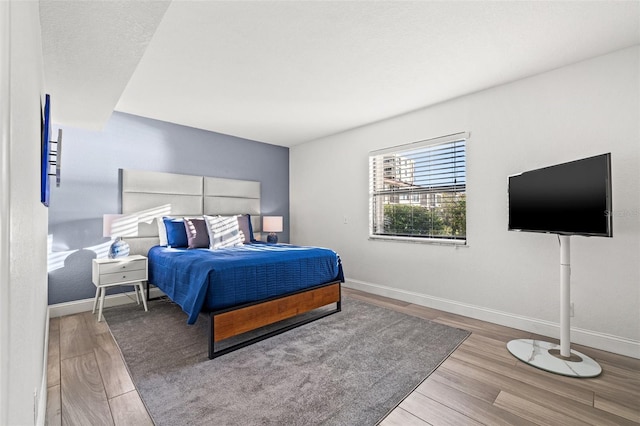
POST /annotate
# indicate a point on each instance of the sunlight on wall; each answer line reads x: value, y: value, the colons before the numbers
x: 148, y: 215
x: 120, y: 225
x: 55, y: 260
x: 124, y: 225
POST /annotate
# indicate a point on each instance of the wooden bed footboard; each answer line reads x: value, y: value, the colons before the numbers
x: 241, y: 319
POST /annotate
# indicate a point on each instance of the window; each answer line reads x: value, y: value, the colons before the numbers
x: 418, y: 191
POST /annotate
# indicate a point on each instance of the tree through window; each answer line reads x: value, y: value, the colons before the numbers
x: 418, y: 190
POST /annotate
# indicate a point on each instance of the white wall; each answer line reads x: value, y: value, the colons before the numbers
x: 24, y: 299
x: 586, y: 109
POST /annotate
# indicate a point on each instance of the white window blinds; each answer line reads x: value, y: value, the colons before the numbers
x: 418, y: 190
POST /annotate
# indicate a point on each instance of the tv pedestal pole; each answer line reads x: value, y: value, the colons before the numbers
x: 549, y: 356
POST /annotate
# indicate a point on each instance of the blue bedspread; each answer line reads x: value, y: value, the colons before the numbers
x: 215, y: 279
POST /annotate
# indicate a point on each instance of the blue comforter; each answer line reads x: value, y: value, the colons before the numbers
x: 199, y: 279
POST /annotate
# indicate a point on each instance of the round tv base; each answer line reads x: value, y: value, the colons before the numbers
x: 546, y: 356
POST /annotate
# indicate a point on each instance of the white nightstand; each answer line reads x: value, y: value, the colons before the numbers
x: 130, y: 270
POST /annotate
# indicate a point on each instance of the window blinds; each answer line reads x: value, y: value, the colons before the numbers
x: 419, y: 189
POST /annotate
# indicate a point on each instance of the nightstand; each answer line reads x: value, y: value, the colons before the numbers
x: 130, y: 270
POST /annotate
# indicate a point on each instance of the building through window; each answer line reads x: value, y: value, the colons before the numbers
x: 418, y: 190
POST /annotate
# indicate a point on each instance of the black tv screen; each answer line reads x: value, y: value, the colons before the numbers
x: 570, y: 199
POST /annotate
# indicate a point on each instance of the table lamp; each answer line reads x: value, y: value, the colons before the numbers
x: 272, y: 224
x: 118, y: 226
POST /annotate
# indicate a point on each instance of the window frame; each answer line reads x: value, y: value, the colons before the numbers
x: 397, y: 150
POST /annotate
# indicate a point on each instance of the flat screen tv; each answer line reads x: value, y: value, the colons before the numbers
x: 569, y: 199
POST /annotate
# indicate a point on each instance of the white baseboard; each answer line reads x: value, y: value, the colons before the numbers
x: 85, y: 305
x: 594, y: 339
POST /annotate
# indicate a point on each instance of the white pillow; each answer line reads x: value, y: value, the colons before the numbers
x: 224, y: 232
x: 162, y: 231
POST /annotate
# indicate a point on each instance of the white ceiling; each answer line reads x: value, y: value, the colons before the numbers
x: 287, y: 72
x: 91, y: 49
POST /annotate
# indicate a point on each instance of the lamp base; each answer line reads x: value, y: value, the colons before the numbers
x: 272, y: 238
x: 119, y: 248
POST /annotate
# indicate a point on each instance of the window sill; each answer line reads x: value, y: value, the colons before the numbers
x: 432, y: 241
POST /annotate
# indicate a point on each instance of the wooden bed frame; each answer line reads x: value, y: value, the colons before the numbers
x: 148, y: 194
x: 237, y: 320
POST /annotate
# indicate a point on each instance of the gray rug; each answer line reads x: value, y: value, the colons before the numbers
x: 350, y: 368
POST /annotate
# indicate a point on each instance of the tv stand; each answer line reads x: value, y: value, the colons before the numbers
x: 559, y: 359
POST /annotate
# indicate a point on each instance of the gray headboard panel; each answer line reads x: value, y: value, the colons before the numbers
x: 161, y: 183
x: 232, y: 196
x: 219, y: 187
x: 181, y: 204
x: 143, y: 190
x: 154, y: 194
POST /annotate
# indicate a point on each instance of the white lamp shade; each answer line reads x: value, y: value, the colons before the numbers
x: 120, y: 225
x: 272, y: 223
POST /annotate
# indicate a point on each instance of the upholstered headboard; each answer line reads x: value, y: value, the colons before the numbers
x: 150, y: 195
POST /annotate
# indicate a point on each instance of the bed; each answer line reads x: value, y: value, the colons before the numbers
x: 241, y: 289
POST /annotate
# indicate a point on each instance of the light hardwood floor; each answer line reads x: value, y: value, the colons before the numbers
x: 480, y: 383
x: 88, y: 382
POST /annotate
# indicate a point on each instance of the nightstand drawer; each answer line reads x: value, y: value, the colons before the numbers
x: 118, y: 277
x: 128, y: 271
x: 134, y: 265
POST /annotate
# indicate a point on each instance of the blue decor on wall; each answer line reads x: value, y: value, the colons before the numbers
x: 44, y: 158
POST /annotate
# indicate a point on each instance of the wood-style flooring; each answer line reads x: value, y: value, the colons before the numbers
x: 481, y: 383
x: 88, y: 382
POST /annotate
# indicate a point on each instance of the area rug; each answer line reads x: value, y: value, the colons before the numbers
x: 350, y: 368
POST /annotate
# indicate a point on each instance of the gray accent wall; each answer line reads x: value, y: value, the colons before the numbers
x: 90, y: 184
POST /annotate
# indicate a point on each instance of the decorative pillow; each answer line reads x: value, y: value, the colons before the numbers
x: 197, y: 233
x: 176, y: 232
x: 223, y: 232
x: 162, y: 231
x: 244, y: 223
